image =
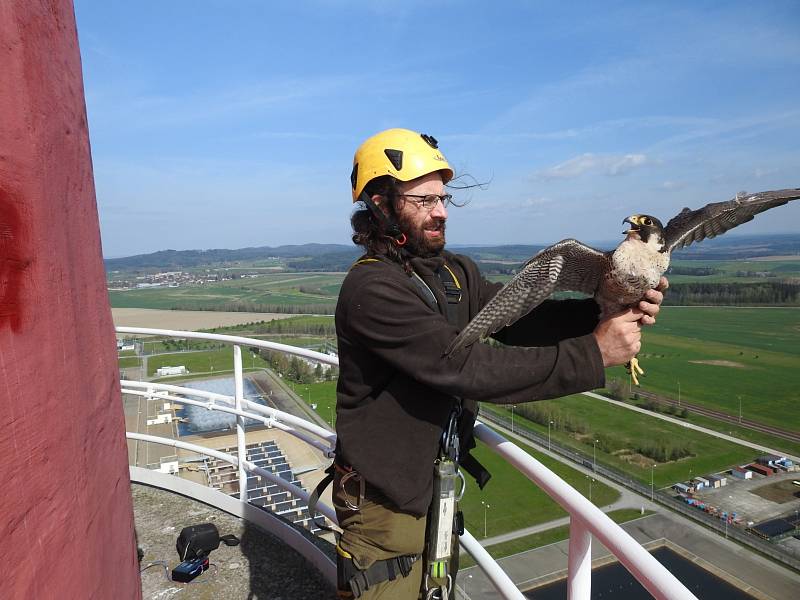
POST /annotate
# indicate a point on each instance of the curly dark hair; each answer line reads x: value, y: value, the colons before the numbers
x: 371, y: 233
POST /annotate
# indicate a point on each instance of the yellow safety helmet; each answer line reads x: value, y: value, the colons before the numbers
x: 401, y: 153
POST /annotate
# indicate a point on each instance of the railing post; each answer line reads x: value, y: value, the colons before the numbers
x: 240, y: 442
x: 579, y: 575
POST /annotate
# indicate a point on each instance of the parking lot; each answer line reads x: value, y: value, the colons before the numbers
x: 740, y: 496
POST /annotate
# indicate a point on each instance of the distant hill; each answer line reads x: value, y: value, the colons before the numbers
x: 338, y: 257
x: 737, y: 247
x: 177, y: 259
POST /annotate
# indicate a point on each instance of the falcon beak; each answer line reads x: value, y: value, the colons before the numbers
x: 634, y: 221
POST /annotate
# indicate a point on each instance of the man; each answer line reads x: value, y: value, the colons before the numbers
x: 399, y: 308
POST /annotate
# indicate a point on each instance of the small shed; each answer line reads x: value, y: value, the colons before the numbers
x: 681, y: 488
x: 741, y: 473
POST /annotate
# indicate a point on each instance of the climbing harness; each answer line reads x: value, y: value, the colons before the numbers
x: 349, y: 576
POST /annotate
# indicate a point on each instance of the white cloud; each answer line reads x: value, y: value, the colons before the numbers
x: 607, y: 164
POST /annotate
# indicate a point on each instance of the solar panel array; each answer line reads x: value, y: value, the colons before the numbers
x: 260, y: 491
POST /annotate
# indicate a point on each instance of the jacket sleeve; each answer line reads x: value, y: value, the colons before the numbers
x: 547, y: 324
x: 389, y: 318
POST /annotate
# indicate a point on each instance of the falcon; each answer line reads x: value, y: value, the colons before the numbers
x: 618, y: 278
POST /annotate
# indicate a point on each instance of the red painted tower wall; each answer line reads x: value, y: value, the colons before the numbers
x: 66, y: 519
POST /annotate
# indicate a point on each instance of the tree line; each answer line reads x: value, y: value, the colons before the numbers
x: 771, y: 293
x: 294, y: 368
x: 236, y: 306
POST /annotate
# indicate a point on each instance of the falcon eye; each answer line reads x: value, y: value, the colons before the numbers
x: 648, y: 222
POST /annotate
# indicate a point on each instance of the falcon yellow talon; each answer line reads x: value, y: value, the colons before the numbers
x: 634, y: 369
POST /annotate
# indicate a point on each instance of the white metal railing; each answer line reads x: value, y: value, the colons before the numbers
x: 585, y: 518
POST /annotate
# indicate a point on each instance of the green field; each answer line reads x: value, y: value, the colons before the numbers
x: 746, y: 434
x: 322, y: 394
x: 258, y: 294
x: 737, y: 271
x: 710, y: 454
x: 203, y: 362
x: 527, y: 505
x: 723, y: 354
x: 126, y: 362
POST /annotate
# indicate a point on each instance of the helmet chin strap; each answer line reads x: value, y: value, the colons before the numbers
x: 391, y: 227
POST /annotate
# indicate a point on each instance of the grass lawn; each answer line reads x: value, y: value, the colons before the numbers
x: 211, y: 361
x: 322, y: 394
x: 516, y: 502
x: 770, y: 441
x: 710, y: 454
x: 127, y: 362
x: 722, y: 355
x: 544, y: 538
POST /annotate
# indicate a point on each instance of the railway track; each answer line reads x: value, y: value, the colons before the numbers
x: 792, y: 436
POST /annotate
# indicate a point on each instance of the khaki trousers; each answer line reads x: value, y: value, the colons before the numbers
x: 378, y: 531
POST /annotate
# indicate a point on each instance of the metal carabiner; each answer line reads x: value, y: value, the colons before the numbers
x: 444, y: 590
x: 361, y: 490
x: 463, y: 485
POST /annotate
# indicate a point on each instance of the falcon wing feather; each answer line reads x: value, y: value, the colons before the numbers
x: 718, y: 217
x: 567, y: 265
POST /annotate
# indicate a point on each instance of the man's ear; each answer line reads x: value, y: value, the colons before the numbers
x: 382, y: 202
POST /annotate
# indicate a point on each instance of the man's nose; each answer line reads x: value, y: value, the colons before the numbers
x: 439, y: 210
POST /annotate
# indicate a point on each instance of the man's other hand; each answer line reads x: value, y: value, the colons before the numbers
x: 619, y: 337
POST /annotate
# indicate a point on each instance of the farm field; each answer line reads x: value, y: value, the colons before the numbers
x: 738, y: 271
x: 631, y: 429
x: 257, y: 294
x: 186, y: 320
x: 723, y: 354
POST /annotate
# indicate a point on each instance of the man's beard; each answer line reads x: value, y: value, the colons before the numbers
x: 418, y: 244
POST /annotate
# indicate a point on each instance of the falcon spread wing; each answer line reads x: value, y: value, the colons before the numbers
x: 718, y: 217
x: 566, y: 266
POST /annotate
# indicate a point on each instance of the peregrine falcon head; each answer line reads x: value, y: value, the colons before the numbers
x: 647, y: 229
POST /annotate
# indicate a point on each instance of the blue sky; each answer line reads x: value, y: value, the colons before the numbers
x: 221, y: 124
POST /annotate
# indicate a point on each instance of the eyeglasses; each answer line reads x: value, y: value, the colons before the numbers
x: 429, y: 201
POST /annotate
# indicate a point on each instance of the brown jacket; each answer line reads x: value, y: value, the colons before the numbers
x: 396, y: 389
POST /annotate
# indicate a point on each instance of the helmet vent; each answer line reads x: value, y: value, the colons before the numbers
x: 354, y: 176
x: 430, y: 140
x: 396, y: 158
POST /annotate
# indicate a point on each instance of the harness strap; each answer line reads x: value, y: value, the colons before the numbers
x: 427, y: 292
x: 313, y: 499
x: 360, y: 580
